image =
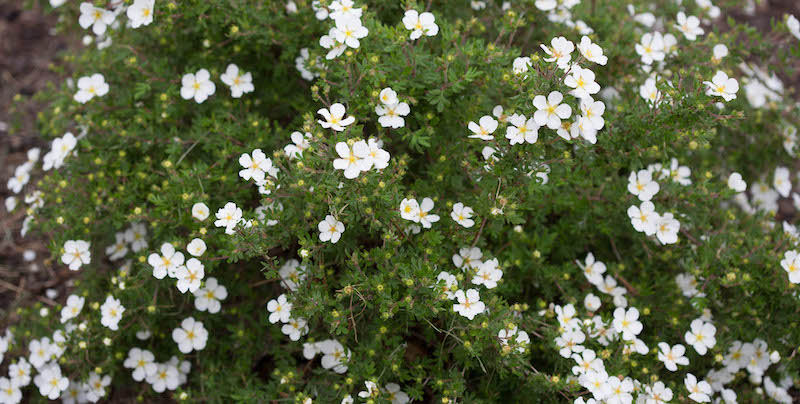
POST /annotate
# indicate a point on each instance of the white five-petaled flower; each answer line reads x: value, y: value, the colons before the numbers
x: 334, y: 119
x: 469, y: 303
x: 335, y: 355
x: 111, y: 312
x: 462, y: 215
x: 376, y: 157
x: 167, y: 376
x: 280, y: 309
x: 689, y: 26
x: 209, y: 296
x: 50, y: 381
x: 644, y: 218
x: 420, y: 24
x: 582, y: 82
x: 295, y: 328
x: 72, y: 308
x: 488, y: 274
x: 349, y: 32
x: 409, y: 210
x: 550, y: 110
x: 255, y: 167
x: 142, y: 362
x: 330, y: 229
x: 239, y: 82
x: 344, y: 10
x: 736, y: 183
x: 627, y: 322
x: 483, y: 129
x: 522, y: 130
x: 651, y: 48
x: 569, y: 342
x: 591, y: 51
x: 198, y: 86
x: 350, y: 159
x: 76, y: 253
x: 592, y: 269
x: 167, y: 263
x: 642, y: 185
x: 200, y: 211
x: 425, y: 218
x: 141, y: 13
x: 191, y: 335
x: 335, y: 49
x: 782, y: 181
x: 791, y: 264
x: 388, y: 96
x: 228, y: 217
x: 300, y: 142
x: 97, y: 18
x: 672, y: 356
x: 723, y: 86
x: 667, y: 228
x: 190, y: 275
x: 10, y: 391
x: 560, y: 51
x: 701, y: 336
x: 391, y: 115
x: 90, y: 87
x: 196, y: 247
x: 698, y: 391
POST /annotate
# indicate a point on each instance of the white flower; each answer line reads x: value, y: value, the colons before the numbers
x: 721, y: 85
x: 627, y: 323
x: 376, y: 157
x: 300, y: 64
x: 550, y: 110
x: 618, y: 391
x: 582, y: 81
x: 736, y: 183
x: 699, y: 392
x: 450, y: 284
x: 292, y: 273
x: 651, y: 48
x: 587, y: 361
x: 782, y: 181
x: 196, y: 247
x: 546, y: 5
x: 90, y: 87
x: 118, y: 249
x: 166, y: 263
x: 111, y: 312
x: 642, y: 185
x: 559, y: 52
x: 658, y: 393
x: 462, y: 215
x: 334, y: 119
x: 200, y: 211
x: 719, y: 51
x: 592, y: 52
x: 488, y: 274
x: 349, y: 159
x: 394, y: 394
x: 569, y: 342
x: 794, y: 25
x: 644, y: 218
x: 650, y: 92
x: 372, y: 390
x: 20, y: 372
x: 667, y: 228
x: 136, y: 235
x: 255, y: 167
x: 191, y: 335
x: 209, y: 296
x: 141, y: 13
x: 239, y: 82
x: 672, y: 356
x: 198, y: 86
x: 469, y: 303
x: 484, y: 129
x: 335, y: 49
x: 567, y: 317
x: 334, y: 355
x: 424, y: 218
x: 190, y: 275
x: 73, y: 308
x: 521, y: 65
x: 61, y: 148
x: 593, y: 270
x: 165, y: 377
x: 343, y: 10
x: 701, y: 336
x: 40, y: 352
x: 301, y: 142
x: 9, y: 391
x: 420, y: 24
x: 96, y: 386
x: 391, y: 115
x: 388, y: 96
x: 280, y: 309
x: 295, y: 328
x: 228, y: 217
x: 330, y: 229
x: 522, y: 130
x: 76, y: 253
x: 348, y: 32
x: 50, y: 381
x: 142, y: 362
x: 591, y: 302
x: 690, y: 26
x: 97, y: 18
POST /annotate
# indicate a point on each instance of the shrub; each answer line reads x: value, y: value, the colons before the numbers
x: 272, y: 201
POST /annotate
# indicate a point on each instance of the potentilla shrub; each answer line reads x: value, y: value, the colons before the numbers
x: 393, y: 201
